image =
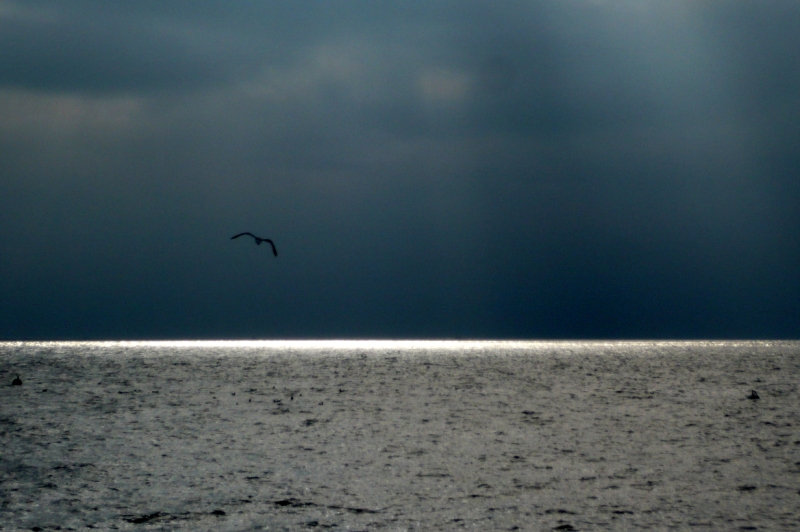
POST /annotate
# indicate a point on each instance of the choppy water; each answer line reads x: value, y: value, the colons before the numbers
x: 400, y: 436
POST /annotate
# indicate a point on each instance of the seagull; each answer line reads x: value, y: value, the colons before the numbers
x: 17, y: 381
x: 259, y: 241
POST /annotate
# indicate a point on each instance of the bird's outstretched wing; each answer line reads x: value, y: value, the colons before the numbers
x: 259, y: 240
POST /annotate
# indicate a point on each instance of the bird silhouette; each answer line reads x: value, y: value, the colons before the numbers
x: 259, y: 241
x: 17, y: 381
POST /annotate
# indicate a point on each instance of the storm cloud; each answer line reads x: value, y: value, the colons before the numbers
x: 525, y: 169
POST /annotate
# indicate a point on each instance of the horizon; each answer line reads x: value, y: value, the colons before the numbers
x: 409, y: 344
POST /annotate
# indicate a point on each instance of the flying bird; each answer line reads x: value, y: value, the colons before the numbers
x: 259, y: 241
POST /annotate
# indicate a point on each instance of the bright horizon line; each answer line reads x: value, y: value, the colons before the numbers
x: 380, y: 343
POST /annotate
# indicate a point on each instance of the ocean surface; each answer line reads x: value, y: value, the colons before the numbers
x: 362, y: 435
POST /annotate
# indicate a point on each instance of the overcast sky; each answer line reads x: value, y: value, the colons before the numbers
x: 427, y: 169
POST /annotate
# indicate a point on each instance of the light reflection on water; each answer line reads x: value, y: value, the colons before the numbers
x: 394, y: 346
x: 498, y: 435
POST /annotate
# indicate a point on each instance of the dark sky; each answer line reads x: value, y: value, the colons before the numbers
x: 427, y: 169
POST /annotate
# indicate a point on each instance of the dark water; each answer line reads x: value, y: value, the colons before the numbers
x: 400, y: 436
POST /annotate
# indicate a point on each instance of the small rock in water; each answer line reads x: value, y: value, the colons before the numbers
x: 753, y: 395
x: 17, y: 381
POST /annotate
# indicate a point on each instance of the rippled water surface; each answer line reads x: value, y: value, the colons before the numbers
x: 400, y: 436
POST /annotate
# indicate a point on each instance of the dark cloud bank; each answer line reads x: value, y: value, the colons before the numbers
x: 539, y: 169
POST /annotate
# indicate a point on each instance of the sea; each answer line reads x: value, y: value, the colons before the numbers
x: 400, y: 435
